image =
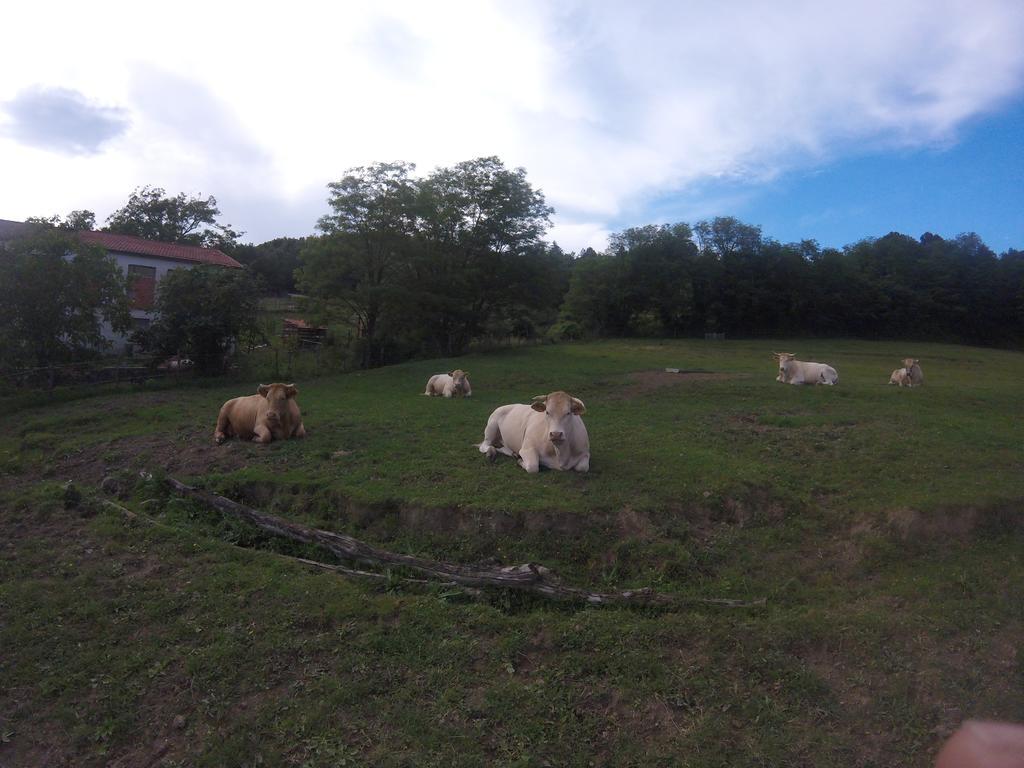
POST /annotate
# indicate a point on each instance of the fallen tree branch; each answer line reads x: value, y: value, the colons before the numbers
x: 129, y: 514
x: 528, y: 577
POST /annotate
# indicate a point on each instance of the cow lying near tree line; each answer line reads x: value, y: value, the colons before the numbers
x: 910, y: 375
x: 914, y: 372
x: 547, y: 433
x: 449, y: 384
x: 793, y: 371
x: 270, y: 414
x: 900, y: 378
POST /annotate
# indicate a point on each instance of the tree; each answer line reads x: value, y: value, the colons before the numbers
x: 367, y: 239
x: 595, y: 302
x: 77, y: 221
x: 180, y: 219
x: 274, y: 261
x: 428, y: 265
x: 202, y: 313
x: 55, y: 293
x: 479, y: 228
x: 643, y: 285
x: 725, y: 235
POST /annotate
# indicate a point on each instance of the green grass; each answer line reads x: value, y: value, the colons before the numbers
x: 883, y: 526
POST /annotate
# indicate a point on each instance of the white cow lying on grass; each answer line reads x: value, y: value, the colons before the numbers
x: 547, y: 433
x: 900, y: 378
x: 793, y: 371
x: 914, y: 372
x: 449, y: 384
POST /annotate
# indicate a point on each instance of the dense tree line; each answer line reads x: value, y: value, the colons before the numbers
x: 723, y: 276
x: 423, y: 266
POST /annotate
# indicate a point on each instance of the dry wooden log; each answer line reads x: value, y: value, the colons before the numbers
x: 129, y: 514
x: 528, y: 577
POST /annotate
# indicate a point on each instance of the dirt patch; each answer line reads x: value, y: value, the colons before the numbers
x: 644, y: 382
x: 185, y: 454
x: 534, y: 655
x: 962, y: 523
x: 754, y: 506
x: 749, y: 421
x: 632, y: 523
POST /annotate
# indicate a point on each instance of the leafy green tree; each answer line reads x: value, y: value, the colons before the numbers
x: 150, y: 213
x: 595, y: 302
x: 659, y: 263
x: 354, y: 269
x: 55, y: 293
x: 76, y: 221
x: 203, y: 313
x: 725, y: 235
x: 643, y: 285
x: 274, y: 261
x: 479, y: 230
x: 427, y: 265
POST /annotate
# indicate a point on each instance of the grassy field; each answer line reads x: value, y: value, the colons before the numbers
x: 884, y: 528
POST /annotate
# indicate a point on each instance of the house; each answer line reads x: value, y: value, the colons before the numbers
x: 144, y: 261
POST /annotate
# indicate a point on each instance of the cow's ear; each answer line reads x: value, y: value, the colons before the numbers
x: 540, y: 403
x: 452, y: 374
x: 262, y: 390
x: 578, y: 407
x: 291, y: 390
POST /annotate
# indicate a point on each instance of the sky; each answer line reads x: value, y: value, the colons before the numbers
x: 814, y: 119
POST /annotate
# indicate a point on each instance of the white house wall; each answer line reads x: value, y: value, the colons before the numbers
x: 119, y: 342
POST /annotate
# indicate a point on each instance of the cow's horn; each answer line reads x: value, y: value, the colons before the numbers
x: 538, y: 398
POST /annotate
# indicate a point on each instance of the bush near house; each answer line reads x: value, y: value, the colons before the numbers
x: 203, y: 313
x: 55, y: 294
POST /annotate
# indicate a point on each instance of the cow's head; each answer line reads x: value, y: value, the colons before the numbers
x: 783, y: 358
x: 277, y: 396
x: 558, y: 408
x: 458, y: 380
x: 909, y: 362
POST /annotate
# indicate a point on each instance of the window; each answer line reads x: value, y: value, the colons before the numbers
x: 141, y: 286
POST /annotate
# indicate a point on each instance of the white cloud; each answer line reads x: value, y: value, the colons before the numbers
x: 609, y: 106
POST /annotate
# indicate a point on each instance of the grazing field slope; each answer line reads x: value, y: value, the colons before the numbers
x: 882, y: 526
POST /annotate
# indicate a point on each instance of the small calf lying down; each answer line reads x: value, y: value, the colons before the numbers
x: 547, y: 433
x: 793, y: 371
x: 900, y: 377
x: 914, y: 372
x: 449, y: 384
x: 270, y: 414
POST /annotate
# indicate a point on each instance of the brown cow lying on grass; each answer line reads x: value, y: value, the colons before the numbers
x: 270, y: 414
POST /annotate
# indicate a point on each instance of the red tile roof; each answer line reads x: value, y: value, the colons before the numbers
x: 144, y: 247
x: 291, y: 322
